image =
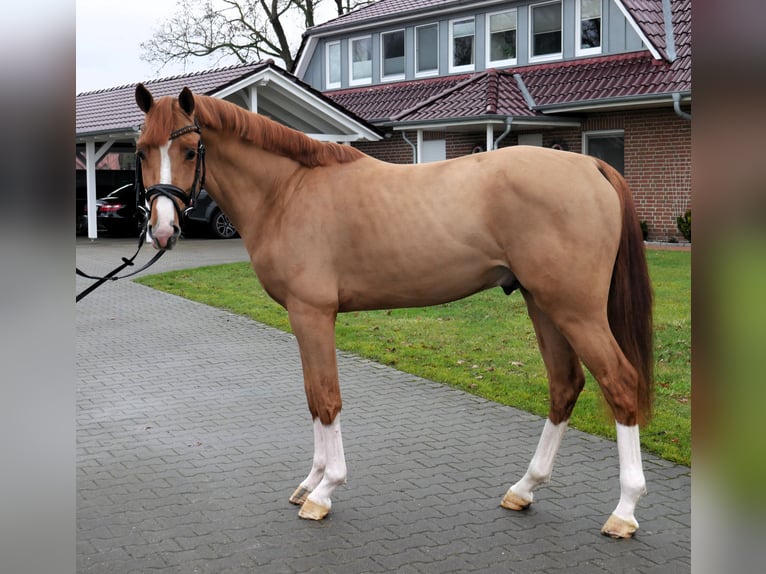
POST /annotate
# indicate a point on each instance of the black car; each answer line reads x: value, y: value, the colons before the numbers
x: 116, y: 214
x: 207, y: 216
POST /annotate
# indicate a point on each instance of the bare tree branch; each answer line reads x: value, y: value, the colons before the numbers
x: 248, y: 30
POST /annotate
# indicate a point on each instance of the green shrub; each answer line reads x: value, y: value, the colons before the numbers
x: 684, y: 223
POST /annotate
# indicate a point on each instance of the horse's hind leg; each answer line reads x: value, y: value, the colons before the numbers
x: 314, y: 330
x: 565, y: 380
x: 594, y: 343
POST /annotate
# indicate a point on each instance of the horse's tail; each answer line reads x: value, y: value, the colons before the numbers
x: 630, y: 296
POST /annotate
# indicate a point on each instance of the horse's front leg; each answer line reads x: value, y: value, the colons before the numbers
x: 315, y: 330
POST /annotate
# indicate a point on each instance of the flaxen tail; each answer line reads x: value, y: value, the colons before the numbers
x: 630, y: 296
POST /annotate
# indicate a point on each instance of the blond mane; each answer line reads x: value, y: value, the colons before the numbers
x: 223, y: 116
x: 219, y: 115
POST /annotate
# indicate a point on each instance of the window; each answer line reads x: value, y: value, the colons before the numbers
x: 501, y: 38
x: 427, y: 50
x: 606, y: 145
x: 461, y: 45
x: 589, y: 35
x: 392, y: 54
x: 361, y: 60
x: 545, y: 31
x: 433, y: 150
x: 332, y: 65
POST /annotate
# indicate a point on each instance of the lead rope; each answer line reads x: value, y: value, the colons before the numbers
x: 169, y: 191
x: 126, y: 262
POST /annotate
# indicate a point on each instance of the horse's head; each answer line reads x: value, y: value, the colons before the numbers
x: 169, y: 163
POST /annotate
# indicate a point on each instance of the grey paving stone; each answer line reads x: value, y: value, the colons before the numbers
x: 193, y: 432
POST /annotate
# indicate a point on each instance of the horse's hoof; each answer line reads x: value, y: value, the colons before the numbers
x: 617, y: 527
x: 299, y: 496
x: 313, y: 511
x: 513, y: 501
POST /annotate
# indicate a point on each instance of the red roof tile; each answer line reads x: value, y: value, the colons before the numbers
x: 383, y: 10
x: 607, y: 77
x: 383, y: 102
x: 115, y: 108
x: 488, y: 93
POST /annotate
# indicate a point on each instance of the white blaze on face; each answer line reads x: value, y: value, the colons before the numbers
x: 163, y: 206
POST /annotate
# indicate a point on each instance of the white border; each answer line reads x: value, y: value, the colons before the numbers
x: 392, y: 77
x: 351, y: 80
x: 331, y: 85
x: 531, y: 41
x: 578, y: 31
x: 487, y: 44
x: 465, y: 67
x: 426, y: 73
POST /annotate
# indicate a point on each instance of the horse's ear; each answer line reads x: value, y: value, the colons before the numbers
x: 144, y: 98
x: 186, y: 99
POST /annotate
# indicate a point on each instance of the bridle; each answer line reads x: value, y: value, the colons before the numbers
x: 146, y: 196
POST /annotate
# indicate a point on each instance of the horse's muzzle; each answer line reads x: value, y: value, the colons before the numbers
x: 164, y: 237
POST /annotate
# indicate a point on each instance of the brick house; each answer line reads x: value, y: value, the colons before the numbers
x: 444, y: 78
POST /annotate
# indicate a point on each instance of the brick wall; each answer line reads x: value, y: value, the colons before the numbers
x: 658, y: 168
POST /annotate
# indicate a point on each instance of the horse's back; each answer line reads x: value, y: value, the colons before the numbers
x: 384, y: 235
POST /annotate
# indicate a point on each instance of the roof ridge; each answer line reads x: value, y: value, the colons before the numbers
x: 492, y: 91
x: 460, y: 85
x: 197, y: 73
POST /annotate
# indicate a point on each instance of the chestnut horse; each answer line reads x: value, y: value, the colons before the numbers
x: 330, y: 229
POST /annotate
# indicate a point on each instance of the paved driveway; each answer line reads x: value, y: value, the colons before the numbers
x: 192, y: 432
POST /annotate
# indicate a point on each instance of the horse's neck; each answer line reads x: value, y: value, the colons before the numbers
x: 245, y: 179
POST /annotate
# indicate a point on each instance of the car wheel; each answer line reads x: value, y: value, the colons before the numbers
x: 220, y: 226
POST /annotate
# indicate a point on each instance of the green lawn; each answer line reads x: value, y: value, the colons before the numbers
x: 485, y: 344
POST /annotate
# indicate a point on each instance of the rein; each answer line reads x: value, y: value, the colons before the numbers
x: 146, y: 196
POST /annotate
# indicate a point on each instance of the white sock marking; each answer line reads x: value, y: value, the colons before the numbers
x: 632, y: 482
x: 541, y: 465
x: 329, y: 467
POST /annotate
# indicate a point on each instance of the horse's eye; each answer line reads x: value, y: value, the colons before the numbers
x: 190, y: 154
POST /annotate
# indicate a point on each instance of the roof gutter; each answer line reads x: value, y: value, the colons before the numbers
x: 611, y: 103
x: 549, y: 121
x: 105, y: 135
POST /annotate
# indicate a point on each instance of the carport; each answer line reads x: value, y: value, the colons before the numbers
x: 108, y: 120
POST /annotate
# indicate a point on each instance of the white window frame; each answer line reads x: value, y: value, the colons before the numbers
x: 363, y: 81
x: 545, y: 57
x: 328, y: 84
x: 433, y: 71
x: 392, y: 77
x: 488, y: 38
x: 578, y: 31
x: 465, y: 67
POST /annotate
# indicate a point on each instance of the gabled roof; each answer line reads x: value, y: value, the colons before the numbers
x: 381, y: 103
x: 115, y: 109
x: 114, y: 113
x: 489, y: 93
